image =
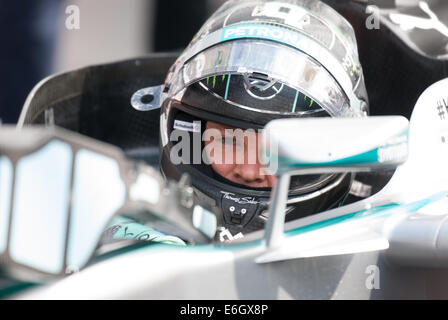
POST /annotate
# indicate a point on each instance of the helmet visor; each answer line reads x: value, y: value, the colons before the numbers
x: 264, y: 70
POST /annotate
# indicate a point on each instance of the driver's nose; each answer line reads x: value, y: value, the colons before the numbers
x: 249, y: 174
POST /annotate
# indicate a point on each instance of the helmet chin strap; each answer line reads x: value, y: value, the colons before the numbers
x: 238, y: 210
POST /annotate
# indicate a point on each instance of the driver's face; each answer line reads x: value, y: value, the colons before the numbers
x: 248, y: 173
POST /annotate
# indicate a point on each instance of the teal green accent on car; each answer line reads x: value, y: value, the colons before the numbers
x: 128, y: 229
x: 15, y: 287
x: 370, y: 156
x: 379, y: 211
x: 339, y: 219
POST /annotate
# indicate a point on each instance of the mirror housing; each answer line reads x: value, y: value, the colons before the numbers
x: 327, y: 145
x: 324, y: 145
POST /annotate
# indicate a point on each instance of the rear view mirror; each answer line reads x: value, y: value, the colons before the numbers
x: 327, y: 145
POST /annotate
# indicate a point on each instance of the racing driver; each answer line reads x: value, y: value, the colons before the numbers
x: 253, y: 62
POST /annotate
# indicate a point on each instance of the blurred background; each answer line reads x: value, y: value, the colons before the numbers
x: 36, y: 41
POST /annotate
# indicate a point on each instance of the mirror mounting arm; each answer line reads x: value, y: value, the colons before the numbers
x: 275, y: 224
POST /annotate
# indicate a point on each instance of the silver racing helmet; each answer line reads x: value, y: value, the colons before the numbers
x: 252, y: 62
